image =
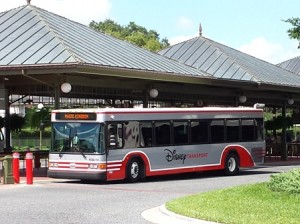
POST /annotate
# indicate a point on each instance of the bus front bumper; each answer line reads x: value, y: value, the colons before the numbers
x: 76, y: 175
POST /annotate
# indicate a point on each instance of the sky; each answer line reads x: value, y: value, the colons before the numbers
x: 255, y: 27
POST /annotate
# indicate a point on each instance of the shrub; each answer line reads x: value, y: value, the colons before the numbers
x: 288, y: 182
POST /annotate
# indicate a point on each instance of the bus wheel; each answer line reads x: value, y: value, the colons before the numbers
x: 133, y: 170
x: 232, y: 164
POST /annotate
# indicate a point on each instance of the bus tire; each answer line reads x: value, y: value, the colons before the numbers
x: 232, y: 164
x: 134, y: 170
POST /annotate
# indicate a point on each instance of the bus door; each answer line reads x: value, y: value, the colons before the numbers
x: 113, y: 155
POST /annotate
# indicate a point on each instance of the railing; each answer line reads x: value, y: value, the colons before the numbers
x: 275, y: 149
x: 293, y: 149
x: 31, y: 142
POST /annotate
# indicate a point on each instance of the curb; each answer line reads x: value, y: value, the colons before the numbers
x: 23, y: 182
x: 160, y: 215
x: 182, y: 219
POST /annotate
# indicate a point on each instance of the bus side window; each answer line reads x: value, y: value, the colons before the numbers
x: 217, y: 131
x: 181, y: 132
x: 232, y: 130
x: 199, y: 132
x: 131, y: 135
x: 162, y: 133
x: 146, y: 134
x: 248, y: 130
x: 259, y: 129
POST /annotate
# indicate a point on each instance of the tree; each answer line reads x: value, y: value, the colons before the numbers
x: 132, y: 33
x: 34, y: 117
x: 278, y: 122
x: 16, y: 122
x: 294, y: 32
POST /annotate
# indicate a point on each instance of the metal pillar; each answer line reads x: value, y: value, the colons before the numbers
x: 146, y: 99
x: 57, y: 96
x: 284, y: 155
x: 7, y: 121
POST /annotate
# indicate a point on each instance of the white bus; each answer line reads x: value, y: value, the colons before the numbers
x: 129, y: 143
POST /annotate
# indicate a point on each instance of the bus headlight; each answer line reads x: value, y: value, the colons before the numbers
x: 53, y: 165
x: 93, y: 166
x: 100, y: 166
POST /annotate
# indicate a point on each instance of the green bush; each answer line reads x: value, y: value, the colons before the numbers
x: 288, y: 182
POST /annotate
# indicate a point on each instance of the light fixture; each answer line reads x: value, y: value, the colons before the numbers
x: 242, y: 99
x: 66, y: 87
x: 153, y: 93
x: 40, y: 106
x: 290, y: 101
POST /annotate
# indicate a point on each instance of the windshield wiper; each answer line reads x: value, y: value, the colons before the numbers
x: 63, y: 149
x: 79, y: 150
x: 60, y: 152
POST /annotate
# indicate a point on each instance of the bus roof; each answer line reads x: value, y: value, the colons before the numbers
x: 157, y: 110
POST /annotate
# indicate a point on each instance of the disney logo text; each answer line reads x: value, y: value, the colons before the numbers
x: 172, y: 155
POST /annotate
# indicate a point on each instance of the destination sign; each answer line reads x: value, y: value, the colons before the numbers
x: 76, y: 116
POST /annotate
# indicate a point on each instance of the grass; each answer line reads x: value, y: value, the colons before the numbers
x: 244, y: 204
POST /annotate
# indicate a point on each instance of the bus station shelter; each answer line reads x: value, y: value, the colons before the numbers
x: 46, y: 58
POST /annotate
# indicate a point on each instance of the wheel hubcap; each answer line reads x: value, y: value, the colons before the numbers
x: 134, y: 170
x: 231, y: 164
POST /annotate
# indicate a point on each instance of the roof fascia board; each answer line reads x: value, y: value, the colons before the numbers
x: 39, y: 69
x: 159, y: 76
x: 278, y: 88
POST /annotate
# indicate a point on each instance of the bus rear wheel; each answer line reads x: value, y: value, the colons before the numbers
x: 134, y: 169
x: 232, y: 164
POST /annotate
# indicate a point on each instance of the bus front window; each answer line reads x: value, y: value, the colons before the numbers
x: 71, y: 137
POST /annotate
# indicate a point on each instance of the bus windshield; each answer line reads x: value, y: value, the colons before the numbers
x: 72, y: 137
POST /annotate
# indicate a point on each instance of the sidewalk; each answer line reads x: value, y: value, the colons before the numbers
x: 39, y: 174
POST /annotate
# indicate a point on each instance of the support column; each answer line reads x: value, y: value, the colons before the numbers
x: 284, y: 155
x: 7, y: 126
x: 146, y: 99
x: 4, y: 104
x: 57, y: 96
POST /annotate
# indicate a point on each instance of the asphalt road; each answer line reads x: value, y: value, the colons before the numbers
x: 61, y: 201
